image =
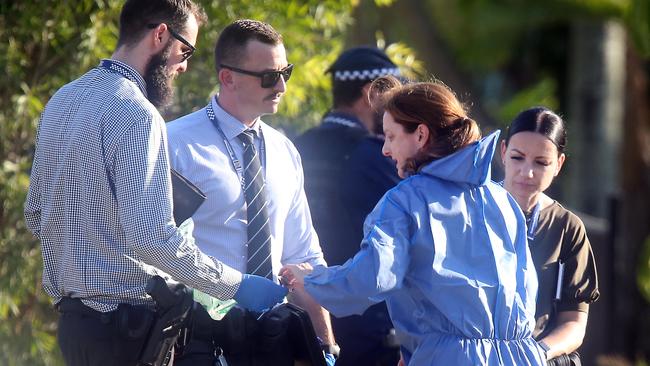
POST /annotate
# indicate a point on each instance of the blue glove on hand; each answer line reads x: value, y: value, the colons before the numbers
x: 258, y: 293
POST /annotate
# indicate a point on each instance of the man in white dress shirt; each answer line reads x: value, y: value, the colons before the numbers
x: 207, y: 147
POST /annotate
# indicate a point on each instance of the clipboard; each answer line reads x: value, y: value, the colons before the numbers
x: 187, y: 197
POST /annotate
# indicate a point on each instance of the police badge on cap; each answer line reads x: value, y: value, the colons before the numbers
x: 362, y: 63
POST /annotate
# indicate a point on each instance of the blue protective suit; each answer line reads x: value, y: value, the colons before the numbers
x: 447, y: 250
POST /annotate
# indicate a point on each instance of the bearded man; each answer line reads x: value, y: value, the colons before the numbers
x: 100, y: 193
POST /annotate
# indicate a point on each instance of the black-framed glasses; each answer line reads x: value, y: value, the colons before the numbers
x: 268, y: 78
x: 186, y: 54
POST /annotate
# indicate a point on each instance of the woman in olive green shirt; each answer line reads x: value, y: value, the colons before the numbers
x: 533, y: 154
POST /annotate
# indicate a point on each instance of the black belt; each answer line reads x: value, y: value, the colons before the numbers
x: 70, y: 305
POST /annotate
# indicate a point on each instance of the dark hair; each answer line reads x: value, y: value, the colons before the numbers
x: 345, y: 93
x: 136, y: 15
x: 543, y: 121
x: 233, y: 39
x: 436, y: 106
x: 355, y: 68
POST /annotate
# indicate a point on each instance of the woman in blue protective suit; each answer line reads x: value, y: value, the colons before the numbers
x: 446, y: 248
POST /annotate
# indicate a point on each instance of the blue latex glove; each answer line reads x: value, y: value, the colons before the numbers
x: 258, y: 293
x: 329, y: 359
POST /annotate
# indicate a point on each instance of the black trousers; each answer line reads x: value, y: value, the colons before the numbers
x: 89, y: 337
x: 363, y: 338
x: 200, y: 350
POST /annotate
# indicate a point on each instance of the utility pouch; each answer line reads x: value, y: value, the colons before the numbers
x: 237, y: 335
x: 132, y: 324
x: 173, y: 306
x: 282, y: 336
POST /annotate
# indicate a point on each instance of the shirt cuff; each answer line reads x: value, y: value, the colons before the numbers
x: 226, y: 286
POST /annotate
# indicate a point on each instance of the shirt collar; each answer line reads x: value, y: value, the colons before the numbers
x: 230, y: 125
x: 343, y: 119
x: 127, y: 71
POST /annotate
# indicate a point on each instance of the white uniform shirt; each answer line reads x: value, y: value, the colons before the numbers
x: 198, y: 151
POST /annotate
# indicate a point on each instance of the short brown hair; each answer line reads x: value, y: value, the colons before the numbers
x: 234, y: 38
x: 435, y: 105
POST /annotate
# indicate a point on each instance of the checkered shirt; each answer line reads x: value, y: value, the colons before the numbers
x: 100, y: 192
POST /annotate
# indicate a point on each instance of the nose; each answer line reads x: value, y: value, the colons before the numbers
x: 281, y: 85
x: 182, y: 67
x: 385, y: 150
x: 527, y: 171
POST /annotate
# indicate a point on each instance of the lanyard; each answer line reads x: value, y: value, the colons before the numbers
x: 532, y: 223
x: 119, y: 68
x: 236, y: 164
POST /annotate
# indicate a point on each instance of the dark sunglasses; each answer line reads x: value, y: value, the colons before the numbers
x: 269, y: 78
x: 186, y: 54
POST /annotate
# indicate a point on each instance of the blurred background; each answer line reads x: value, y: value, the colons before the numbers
x: 587, y: 59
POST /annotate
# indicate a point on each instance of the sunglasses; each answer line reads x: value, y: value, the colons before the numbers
x: 268, y: 78
x: 186, y: 54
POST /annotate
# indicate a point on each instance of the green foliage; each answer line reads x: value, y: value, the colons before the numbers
x: 403, y: 56
x: 542, y: 93
x: 384, y: 2
x: 638, y: 20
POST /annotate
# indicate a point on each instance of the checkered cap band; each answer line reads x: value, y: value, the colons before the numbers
x: 346, y: 75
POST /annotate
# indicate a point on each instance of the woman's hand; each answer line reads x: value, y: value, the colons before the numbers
x: 293, y: 275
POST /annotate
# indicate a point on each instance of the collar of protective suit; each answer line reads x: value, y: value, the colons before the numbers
x: 471, y: 165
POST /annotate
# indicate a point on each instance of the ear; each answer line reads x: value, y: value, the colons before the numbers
x: 560, y: 162
x: 503, y: 152
x: 422, y: 133
x: 226, y: 78
x: 365, y: 94
x: 159, y: 37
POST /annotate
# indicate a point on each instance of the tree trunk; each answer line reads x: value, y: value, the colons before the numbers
x: 632, y: 313
x: 596, y: 100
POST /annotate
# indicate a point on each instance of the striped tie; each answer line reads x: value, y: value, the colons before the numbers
x: 259, y: 231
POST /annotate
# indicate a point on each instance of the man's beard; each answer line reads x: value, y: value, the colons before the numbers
x: 159, y: 81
